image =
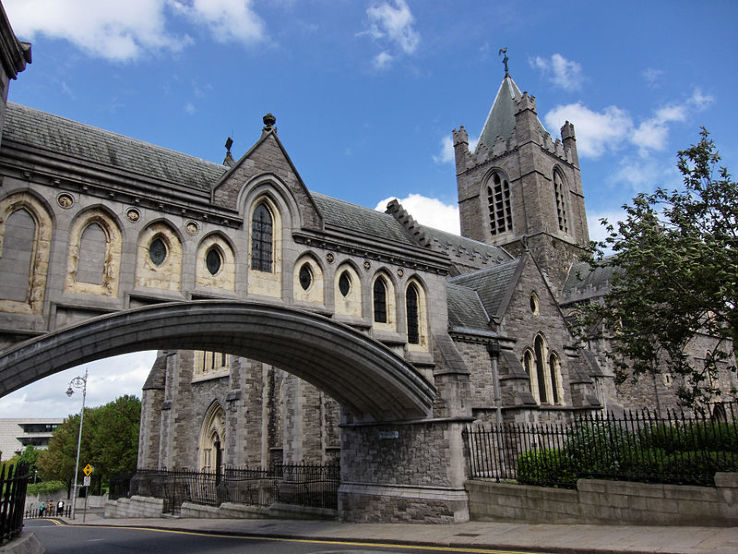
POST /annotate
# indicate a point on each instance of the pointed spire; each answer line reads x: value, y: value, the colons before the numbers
x: 501, y: 118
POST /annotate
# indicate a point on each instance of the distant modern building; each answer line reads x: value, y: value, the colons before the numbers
x: 17, y: 433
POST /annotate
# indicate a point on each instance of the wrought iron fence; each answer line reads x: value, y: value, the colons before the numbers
x: 640, y: 446
x: 13, y: 484
x: 301, y: 484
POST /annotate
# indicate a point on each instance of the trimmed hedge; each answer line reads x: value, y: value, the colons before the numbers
x: 689, y: 453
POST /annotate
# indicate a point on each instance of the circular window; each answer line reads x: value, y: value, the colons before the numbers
x: 213, y: 261
x: 306, y: 276
x: 534, y: 303
x: 344, y: 283
x: 158, y: 251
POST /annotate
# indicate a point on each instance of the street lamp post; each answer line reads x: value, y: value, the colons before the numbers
x: 78, y: 383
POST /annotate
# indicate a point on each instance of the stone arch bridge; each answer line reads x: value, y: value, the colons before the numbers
x: 110, y: 245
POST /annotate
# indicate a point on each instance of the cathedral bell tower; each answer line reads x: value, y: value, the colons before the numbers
x: 519, y: 188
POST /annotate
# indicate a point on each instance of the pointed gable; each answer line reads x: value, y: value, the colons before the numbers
x: 267, y: 157
x: 494, y: 285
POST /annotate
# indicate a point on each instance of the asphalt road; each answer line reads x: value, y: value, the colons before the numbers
x: 68, y: 539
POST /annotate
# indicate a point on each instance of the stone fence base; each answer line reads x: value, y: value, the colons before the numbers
x: 134, y: 507
x: 149, y: 507
x: 600, y: 501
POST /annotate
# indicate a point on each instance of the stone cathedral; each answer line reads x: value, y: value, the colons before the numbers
x: 312, y: 329
x: 512, y: 278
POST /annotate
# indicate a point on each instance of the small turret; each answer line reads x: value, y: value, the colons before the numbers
x: 570, y: 142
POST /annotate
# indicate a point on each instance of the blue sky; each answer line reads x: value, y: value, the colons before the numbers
x: 366, y: 93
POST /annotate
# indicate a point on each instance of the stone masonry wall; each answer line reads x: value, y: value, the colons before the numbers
x: 600, y: 501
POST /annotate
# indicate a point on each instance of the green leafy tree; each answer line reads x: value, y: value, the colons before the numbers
x: 29, y: 456
x: 675, y: 262
x: 109, y: 443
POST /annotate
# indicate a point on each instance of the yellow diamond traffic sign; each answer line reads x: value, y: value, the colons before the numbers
x: 88, y: 469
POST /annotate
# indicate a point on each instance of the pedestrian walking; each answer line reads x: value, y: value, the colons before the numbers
x: 60, y: 508
x: 41, y: 507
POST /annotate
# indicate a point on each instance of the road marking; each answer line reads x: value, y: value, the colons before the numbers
x: 309, y: 541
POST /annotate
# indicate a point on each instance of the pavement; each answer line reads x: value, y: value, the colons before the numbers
x: 485, y: 536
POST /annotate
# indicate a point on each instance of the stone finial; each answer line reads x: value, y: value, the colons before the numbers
x: 229, y: 161
x: 269, y: 121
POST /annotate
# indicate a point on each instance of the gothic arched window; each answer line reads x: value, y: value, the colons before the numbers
x: 540, y: 350
x: 16, y: 264
x: 380, y: 300
x: 261, y: 239
x: 498, y: 198
x: 555, y: 368
x: 413, y: 321
x: 529, y: 364
x: 559, y: 189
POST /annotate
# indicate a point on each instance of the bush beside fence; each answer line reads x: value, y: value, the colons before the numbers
x: 642, y: 447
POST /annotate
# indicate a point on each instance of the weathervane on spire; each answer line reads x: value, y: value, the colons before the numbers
x: 504, y: 60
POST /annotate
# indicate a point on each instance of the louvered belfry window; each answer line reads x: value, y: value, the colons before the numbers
x: 261, y: 239
x: 560, y: 202
x: 498, y: 198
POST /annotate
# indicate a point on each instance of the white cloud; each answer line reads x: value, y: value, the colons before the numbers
x: 228, y: 20
x: 652, y: 76
x: 597, y: 132
x: 123, y: 31
x: 395, y: 23
x: 391, y: 24
x: 700, y: 101
x: 643, y: 174
x: 382, y: 60
x: 108, y: 379
x: 561, y: 72
x: 114, y: 30
x: 597, y: 231
x: 428, y: 211
x: 190, y: 108
x: 653, y: 133
x: 446, y: 153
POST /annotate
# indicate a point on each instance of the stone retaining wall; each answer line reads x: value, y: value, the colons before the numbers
x: 600, y: 501
x: 134, y: 507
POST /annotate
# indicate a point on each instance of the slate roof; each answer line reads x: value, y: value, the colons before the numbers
x: 501, y: 118
x: 583, y: 282
x: 492, y: 284
x: 465, y: 308
x: 457, y: 242
x: 360, y: 220
x: 91, y: 144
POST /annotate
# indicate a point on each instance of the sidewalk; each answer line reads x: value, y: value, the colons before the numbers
x: 477, y: 534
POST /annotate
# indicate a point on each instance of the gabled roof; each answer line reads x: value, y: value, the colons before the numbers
x: 90, y: 144
x: 493, y: 285
x: 464, y: 244
x: 501, y: 119
x: 584, y: 283
x: 465, y: 308
x: 360, y: 220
